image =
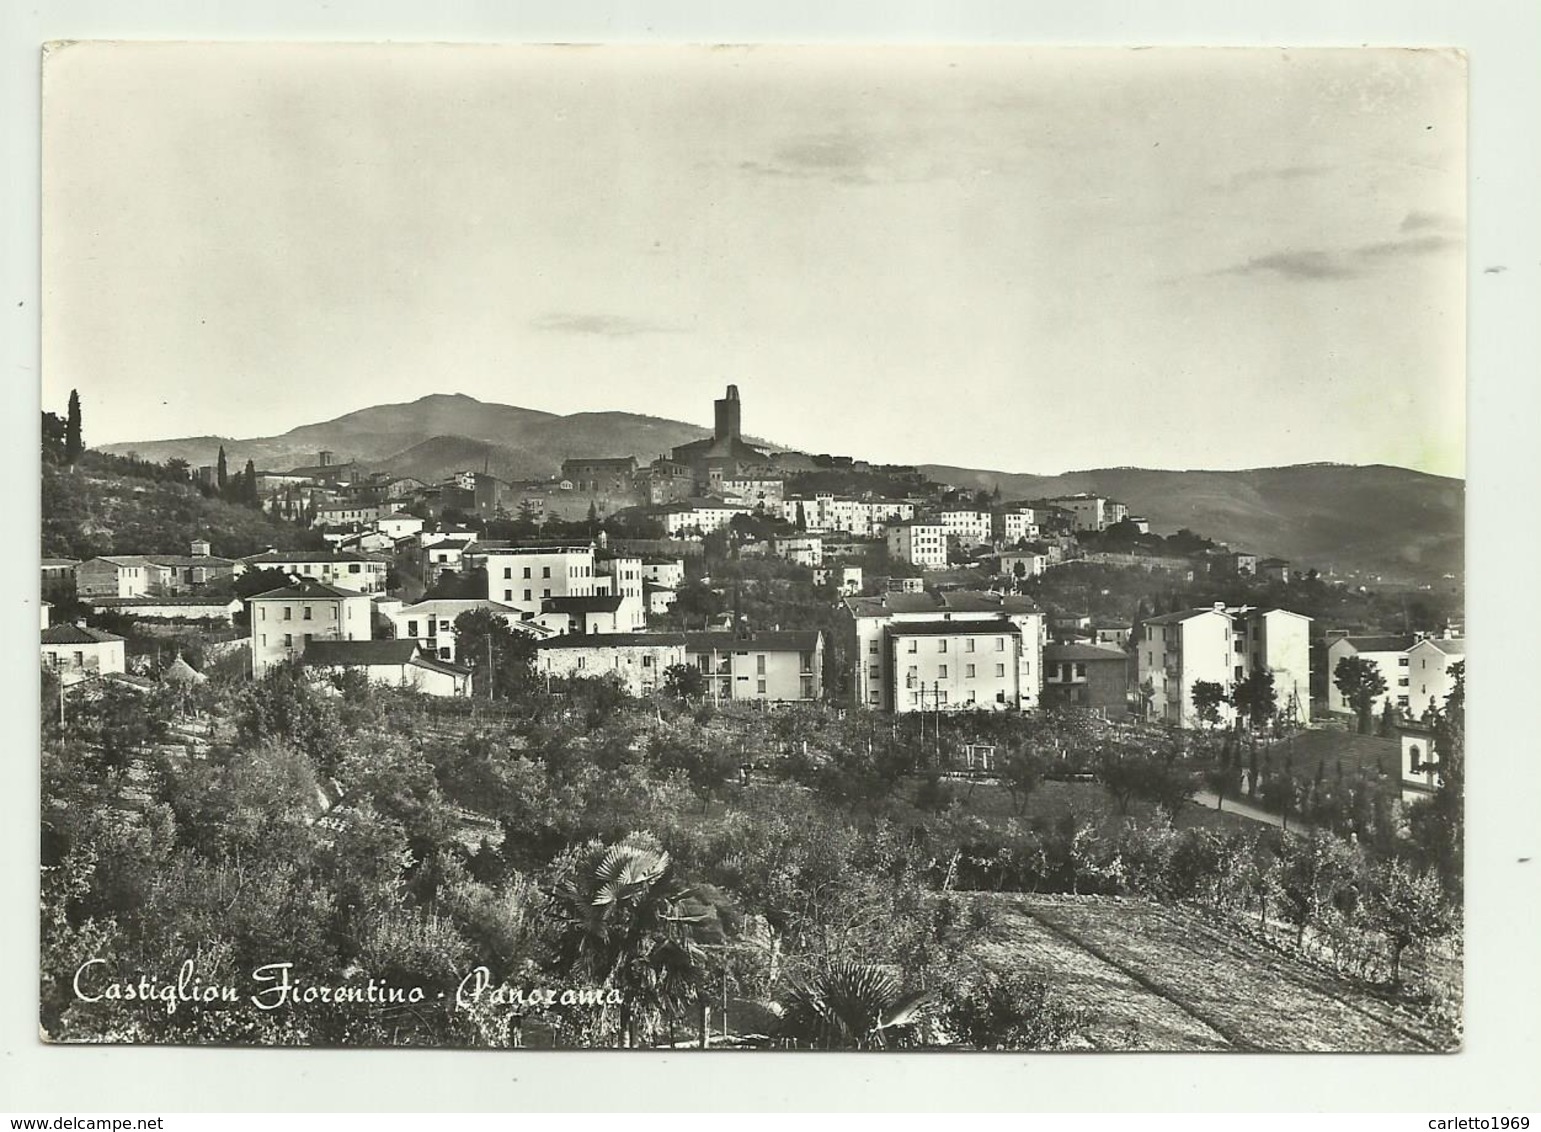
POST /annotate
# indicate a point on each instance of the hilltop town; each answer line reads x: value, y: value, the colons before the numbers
x: 784, y: 636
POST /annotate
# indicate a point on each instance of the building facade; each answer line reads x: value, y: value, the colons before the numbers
x: 285, y: 621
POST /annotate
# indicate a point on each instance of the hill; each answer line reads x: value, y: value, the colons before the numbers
x: 1340, y: 516
x: 433, y: 436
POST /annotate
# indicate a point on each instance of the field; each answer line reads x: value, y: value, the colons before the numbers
x: 1153, y: 977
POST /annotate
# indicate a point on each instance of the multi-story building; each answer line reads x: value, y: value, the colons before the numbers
x: 1092, y: 512
x: 996, y: 643
x: 637, y: 660
x: 764, y: 495
x: 804, y: 550
x: 1176, y: 651
x: 361, y: 573
x: 1094, y: 677
x: 1223, y: 646
x: 608, y: 475
x: 696, y: 518
x: 1022, y: 563
x: 584, y: 616
x: 1429, y: 673
x: 919, y: 543
x: 432, y: 623
x: 766, y: 667
x: 527, y: 576
x: 349, y: 514
x: 157, y: 575
x: 1014, y: 523
x: 969, y: 525
x: 286, y: 620
x: 664, y: 571
x: 621, y: 576
x: 862, y: 518
x: 58, y: 578
x: 1388, y: 653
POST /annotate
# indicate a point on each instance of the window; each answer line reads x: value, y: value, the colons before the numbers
x: 526, y: 571
x: 647, y: 660
x: 968, y: 671
x: 262, y: 613
x: 941, y: 646
x: 874, y: 697
x: 1080, y: 669
x: 508, y: 572
x: 263, y: 641
x: 941, y: 672
x: 1414, y: 765
x: 288, y: 640
x: 1402, y: 662
x: 582, y: 661
x: 545, y: 593
x: 307, y: 613
x: 760, y: 687
x: 526, y: 594
x: 354, y: 568
x: 968, y: 645
x: 911, y: 675
x: 913, y: 646
x: 508, y: 595
x: 1403, y: 682
x: 411, y: 628
x: 1000, y: 671
x: 1000, y: 644
x: 545, y: 571
x: 308, y: 638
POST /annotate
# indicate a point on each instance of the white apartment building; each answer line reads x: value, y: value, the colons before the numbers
x: 859, y: 517
x: 697, y: 518
x: 525, y: 576
x: 761, y: 494
x: 968, y: 525
x: 1223, y: 646
x: 1176, y: 651
x: 664, y: 571
x: 919, y: 543
x: 622, y: 577
x: 804, y: 550
x: 398, y: 524
x: 1429, y: 675
x: 957, y: 651
x: 431, y: 624
x: 1014, y: 524
x: 1389, y: 655
x: 361, y: 573
x: 285, y: 620
x: 1092, y: 512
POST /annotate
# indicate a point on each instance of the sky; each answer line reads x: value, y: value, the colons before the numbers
x: 1031, y: 260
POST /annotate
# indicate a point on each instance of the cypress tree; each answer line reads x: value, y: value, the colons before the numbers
x: 73, y: 445
x: 249, y: 493
x: 221, y: 473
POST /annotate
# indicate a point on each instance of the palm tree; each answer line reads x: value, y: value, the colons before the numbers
x: 628, y: 922
x: 852, y: 1006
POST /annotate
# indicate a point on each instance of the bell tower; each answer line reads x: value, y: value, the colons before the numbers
x: 728, y: 416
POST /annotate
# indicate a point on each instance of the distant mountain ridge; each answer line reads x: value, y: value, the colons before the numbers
x: 1371, y: 517
x: 1344, y: 516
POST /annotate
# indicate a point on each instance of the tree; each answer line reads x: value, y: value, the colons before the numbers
x: 851, y: 1006
x: 221, y: 472
x: 626, y: 920
x: 1020, y: 775
x: 502, y: 659
x: 1255, y: 699
x: 74, y: 445
x: 684, y: 682
x: 1360, y: 682
x: 1208, y: 698
x: 1316, y: 869
x: 1438, y: 824
x: 249, y: 486
x: 1407, y: 907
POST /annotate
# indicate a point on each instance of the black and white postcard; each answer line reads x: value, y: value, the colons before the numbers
x: 753, y: 548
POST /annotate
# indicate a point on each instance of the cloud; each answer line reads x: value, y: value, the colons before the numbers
x: 1249, y: 177
x: 1295, y: 265
x: 1347, y: 263
x: 604, y: 325
x: 846, y: 158
x: 1418, y: 220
